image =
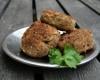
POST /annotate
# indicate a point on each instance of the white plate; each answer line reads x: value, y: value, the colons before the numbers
x: 11, y: 46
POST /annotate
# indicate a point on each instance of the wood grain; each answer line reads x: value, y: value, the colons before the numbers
x: 92, y: 4
x: 3, y: 6
x: 17, y: 15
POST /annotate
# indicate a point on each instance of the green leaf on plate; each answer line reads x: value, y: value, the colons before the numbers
x: 70, y: 57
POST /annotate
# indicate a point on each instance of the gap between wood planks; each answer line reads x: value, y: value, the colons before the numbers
x: 98, y: 13
x: 34, y: 10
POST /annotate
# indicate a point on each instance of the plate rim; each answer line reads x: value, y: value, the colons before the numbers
x: 47, y: 65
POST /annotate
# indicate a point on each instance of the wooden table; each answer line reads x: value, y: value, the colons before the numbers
x: 16, y: 14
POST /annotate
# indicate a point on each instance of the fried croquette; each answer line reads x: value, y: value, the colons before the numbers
x: 81, y: 39
x: 58, y: 20
x: 38, y: 39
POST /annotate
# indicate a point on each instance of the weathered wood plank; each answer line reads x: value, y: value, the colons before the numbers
x: 88, y: 71
x: 17, y: 15
x: 3, y: 5
x: 93, y: 4
x: 46, y: 4
x: 12, y: 70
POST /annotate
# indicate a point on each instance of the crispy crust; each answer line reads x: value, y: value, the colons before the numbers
x: 38, y: 39
x: 59, y: 20
x: 81, y: 39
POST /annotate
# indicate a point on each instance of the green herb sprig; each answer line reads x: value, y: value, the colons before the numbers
x: 70, y: 57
